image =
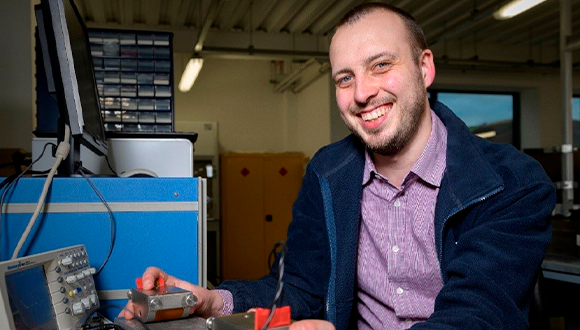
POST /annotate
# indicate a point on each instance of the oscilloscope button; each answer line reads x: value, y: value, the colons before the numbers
x: 86, y: 302
x: 66, y: 261
x: 71, y: 279
x: 77, y: 308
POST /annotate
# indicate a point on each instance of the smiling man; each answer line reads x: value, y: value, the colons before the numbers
x: 411, y: 221
x: 381, y: 73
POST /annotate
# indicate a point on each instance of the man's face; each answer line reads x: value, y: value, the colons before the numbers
x: 380, y: 88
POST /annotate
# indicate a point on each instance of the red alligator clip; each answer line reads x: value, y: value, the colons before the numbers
x: 281, y: 317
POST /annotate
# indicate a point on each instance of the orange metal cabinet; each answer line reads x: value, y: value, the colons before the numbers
x: 257, y: 194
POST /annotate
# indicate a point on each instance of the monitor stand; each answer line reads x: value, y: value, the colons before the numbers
x: 68, y: 166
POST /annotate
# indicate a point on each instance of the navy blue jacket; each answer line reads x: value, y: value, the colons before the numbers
x: 491, y: 232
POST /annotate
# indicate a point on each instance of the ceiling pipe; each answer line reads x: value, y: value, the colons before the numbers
x: 573, y: 44
x: 292, y: 77
x: 460, y: 25
x: 324, y: 68
x: 263, y: 54
x: 275, y: 54
x: 212, y: 12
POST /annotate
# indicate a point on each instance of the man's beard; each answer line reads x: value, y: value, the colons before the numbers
x: 410, y: 119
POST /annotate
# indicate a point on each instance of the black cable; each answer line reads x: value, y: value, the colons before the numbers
x: 95, y: 317
x: 105, y: 326
x: 8, y: 180
x: 15, y: 180
x: 110, y: 167
x: 278, y: 297
x: 111, y: 219
x: 19, y: 175
x: 11, y: 177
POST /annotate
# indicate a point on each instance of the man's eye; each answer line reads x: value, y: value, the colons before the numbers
x: 382, y: 65
x: 343, y: 80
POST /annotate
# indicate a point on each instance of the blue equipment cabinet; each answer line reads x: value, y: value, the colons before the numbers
x: 159, y: 222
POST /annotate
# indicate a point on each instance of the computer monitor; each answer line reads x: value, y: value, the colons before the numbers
x: 69, y: 69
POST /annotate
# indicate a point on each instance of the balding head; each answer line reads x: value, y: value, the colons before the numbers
x: 415, y: 34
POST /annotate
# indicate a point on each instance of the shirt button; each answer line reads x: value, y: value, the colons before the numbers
x: 399, y: 291
x: 409, y: 321
x: 395, y: 249
x: 397, y: 203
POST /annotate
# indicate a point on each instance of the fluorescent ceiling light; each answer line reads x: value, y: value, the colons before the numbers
x: 515, y: 7
x: 190, y: 73
x: 486, y: 135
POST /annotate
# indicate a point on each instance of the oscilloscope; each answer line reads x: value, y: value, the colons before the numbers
x: 53, y: 290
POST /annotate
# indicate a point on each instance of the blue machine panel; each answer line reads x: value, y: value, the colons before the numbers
x: 157, y: 224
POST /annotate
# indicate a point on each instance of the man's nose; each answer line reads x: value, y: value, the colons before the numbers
x: 365, y: 89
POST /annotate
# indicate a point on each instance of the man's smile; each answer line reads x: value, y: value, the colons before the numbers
x: 375, y: 113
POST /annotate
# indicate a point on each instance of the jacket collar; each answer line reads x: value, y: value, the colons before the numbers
x: 468, y: 174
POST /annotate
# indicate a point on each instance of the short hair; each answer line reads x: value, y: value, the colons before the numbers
x: 415, y: 32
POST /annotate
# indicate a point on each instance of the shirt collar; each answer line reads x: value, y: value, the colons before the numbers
x: 369, y: 168
x: 431, y: 164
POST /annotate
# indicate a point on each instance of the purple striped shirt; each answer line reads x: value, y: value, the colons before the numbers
x: 398, y: 271
x: 398, y: 287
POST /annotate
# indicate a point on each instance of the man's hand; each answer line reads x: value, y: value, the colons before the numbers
x: 209, y: 303
x: 312, y: 325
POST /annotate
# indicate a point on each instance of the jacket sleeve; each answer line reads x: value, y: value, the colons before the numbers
x: 306, y: 264
x: 492, y: 255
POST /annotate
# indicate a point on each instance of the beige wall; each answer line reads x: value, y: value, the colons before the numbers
x: 252, y: 117
x: 309, y: 111
x: 16, y: 87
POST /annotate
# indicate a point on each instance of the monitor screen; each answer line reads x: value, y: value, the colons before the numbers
x: 30, y: 300
x: 83, y: 66
x: 66, y: 52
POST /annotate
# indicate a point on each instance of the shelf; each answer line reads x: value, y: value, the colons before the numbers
x: 127, y: 57
x: 134, y: 74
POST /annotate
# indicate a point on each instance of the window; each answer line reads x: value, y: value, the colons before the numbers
x: 493, y: 116
x: 576, y: 121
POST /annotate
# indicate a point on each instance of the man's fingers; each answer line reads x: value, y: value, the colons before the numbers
x: 153, y: 273
x: 149, y: 277
x: 209, y: 303
x: 128, y: 312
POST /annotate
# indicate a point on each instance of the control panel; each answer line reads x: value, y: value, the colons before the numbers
x: 51, y: 290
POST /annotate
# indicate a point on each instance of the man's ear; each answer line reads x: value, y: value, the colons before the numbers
x: 427, y: 64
